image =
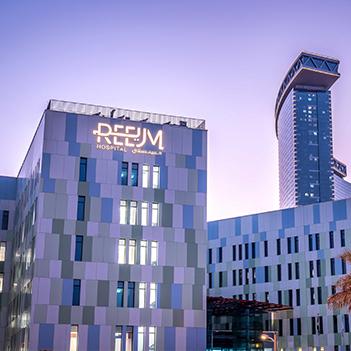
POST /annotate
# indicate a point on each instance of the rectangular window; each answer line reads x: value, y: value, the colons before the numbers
x: 124, y: 173
x: 289, y: 271
x: 266, y: 296
x: 133, y: 213
x: 289, y: 245
x: 335, y: 324
x: 246, y: 251
x: 73, y: 340
x: 129, y: 339
x: 280, y: 327
x: 143, y: 252
x: 118, y: 339
x: 152, y: 339
x: 279, y: 297
x: 319, y: 295
x: 234, y: 253
x: 297, y: 270
x: 1, y: 281
x: 296, y: 244
x: 342, y: 238
x: 266, y: 248
x: 311, y: 269
x: 78, y: 255
x: 234, y: 277
x: 298, y: 324
x: 154, y: 253
x: 298, y: 301
x: 240, y: 248
x: 146, y: 176
x: 279, y: 272
x: 246, y: 276
x: 253, y: 250
x: 343, y: 267
x: 131, y: 294
x: 240, y: 276
x: 331, y: 240
x: 153, y: 294
x: 346, y: 323
x: 81, y: 208
x: 120, y: 293
x: 317, y: 242
x: 253, y: 275
x: 2, y: 251
x: 220, y: 255
x: 332, y: 266
x: 210, y: 280
x: 291, y: 326
x: 141, y: 334
x: 76, y: 292
x: 122, y: 251
x: 318, y: 266
x: 209, y: 256
x: 5, y: 220
x: 266, y: 274
x: 155, y: 214
x: 312, y: 297
x: 132, y: 252
x: 123, y: 212
x: 220, y: 278
x: 310, y: 242
x: 278, y: 247
x: 142, y: 295
x: 83, y: 169
x: 320, y: 325
x: 156, y: 177
x: 144, y: 213
x: 313, y: 325
x: 290, y: 295
x: 134, y: 175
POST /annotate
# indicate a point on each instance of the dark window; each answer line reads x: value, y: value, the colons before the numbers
x: 318, y: 264
x: 124, y: 173
x: 210, y: 280
x: 319, y: 295
x: 83, y: 169
x: 76, y: 292
x: 234, y: 253
x: 254, y: 296
x: 296, y: 244
x: 253, y: 250
x: 240, y: 252
x: 312, y: 299
x: 313, y: 320
x: 333, y: 289
x: 317, y: 242
x: 266, y: 296
x: 5, y: 220
x: 131, y: 293
x: 265, y: 248
x: 331, y: 240
x: 246, y: 251
x: 289, y: 271
x: 346, y: 323
x: 240, y: 278
x: 280, y: 327
x: 335, y: 324
x: 343, y: 267
x: 311, y: 269
x: 266, y: 274
x: 297, y: 270
x: 247, y: 296
x: 278, y: 247
x: 298, y: 301
x: 279, y: 272
x: 289, y: 245
x: 279, y: 297
x: 298, y: 324
x: 209, y: 256
x: 320, y: 325
x: 134, y: 175
x: 342, y: 238
x: 246, y: 276
x: 120, y: 293
x: 332, y: 266
x: 310, y: 242
x: 79, y: 248
x: 291, y: 322
x: 234, y: 277
x: 290, y: 292
x: 220, y: 279
x: 253, y: 275
x: 220, y: 254
x: 81, y: 208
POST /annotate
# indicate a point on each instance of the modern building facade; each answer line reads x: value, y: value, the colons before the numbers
x: 105, y: 234
x: 288, y: 257
x: 303, y: 121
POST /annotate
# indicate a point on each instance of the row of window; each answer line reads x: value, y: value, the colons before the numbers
x: 5, y: 220
x: 250, y: 251
x: 134, y: 213
x: 137, y: 252
x: 123, y: 338
x: 149, y: 176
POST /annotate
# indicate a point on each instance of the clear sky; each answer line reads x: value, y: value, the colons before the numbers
x: 219, y: 60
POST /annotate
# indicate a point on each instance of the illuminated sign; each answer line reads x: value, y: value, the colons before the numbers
x: 120, y: 137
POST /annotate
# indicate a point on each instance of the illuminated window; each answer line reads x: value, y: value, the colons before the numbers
x: 123, y: 212
x: 129, y: 339
x: 134, y: 176
x: 83, y: 169
x: 2, y: 251
x: 118, y: 339
x: 153, y: 293
x: 132, y: 251
x: 141, y: 333
x: 131, y: 293
x: 142, y: 295
x: 146, y: 176
x: 152, y: 339
x: 5, y: 220
x: 155, y: 177
x: 122, y: 251
x: 124, y: 173
x: 73, y: 343
x: 81, y: 208
x: 120, y: 293
x: 155, y: 214
x: 1, y: 281
x: 154, y: 253
x: 143, y: 252
x: 144, y: 213
x: 133, y: 213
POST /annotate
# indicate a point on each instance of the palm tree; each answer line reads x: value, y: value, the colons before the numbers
x: 342, y: 298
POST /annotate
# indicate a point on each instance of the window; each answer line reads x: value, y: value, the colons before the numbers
x: 1, y: 281
x: 311, y: 269
x: 289, y: 245
x: 240, y: 276
x: 253, y: 275
x: 312, y: 297
x: 266, y: 274
x: 209, y: 256
x: 123, y: 212
x: 2, y: 251
x: 331, y: 240
x: 319, y: 295
x: 265, y: 248
x: 234, y: 253
x: 131, y: 293
x: 73, y: 339
x: 83, y: 169
x: 246, y: 251
x: 118, y: 339
x: 143, y: 252
x: 141, y: 333
x: 144, y: 213
x: 342, y: 238
x: 134, y: 175
x: 120, y: 293
x: 332, y: 266
x: 5, y: 220
x: 343, y: 267
x: 142, y: 295
x: 253, y: 250
x: 333, y: 289
x: 133, y: 213
x: 246, y: 276
x: 234, y: 277
x: 279, y: 297
x: 210, y: 280
x: 220, y: 255
x: 78, y: 255
x: 266, y: 296
x: 153, y: 294
x: 76, y: 292
x: 124, y: 173
x: 152, y: 339
x: 155, y: 214
x: 289, y: 271
x: 129, y: 339
x: 296, y: 244
x: 220, y: 279
x: 155, y: 177
x: 122, y: 251
x: 298, y: 299
x: 310, y: 242
x: 297, y: 270
x: 145, y: 176
x: 318, y: 264
x: 279, y: 272
x: 291, y: 326
x: 278, y: 247
x: 313, y: 325
x: 132, y: 252
x: 335, y: 324
x: 240, y: 248
x: 346, y: 323
x: 81, y: 208
x: 317, y: 241
x: 298, y: 324
x: 280, y: 327
x: 290, y: 295
x: 154, y: 253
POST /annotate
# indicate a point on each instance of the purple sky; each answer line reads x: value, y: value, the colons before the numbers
x: 218, y: 60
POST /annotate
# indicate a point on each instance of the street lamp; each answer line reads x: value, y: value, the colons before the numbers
x: 274, y: 340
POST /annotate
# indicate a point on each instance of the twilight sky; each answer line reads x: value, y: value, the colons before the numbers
x: 220, y: 60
